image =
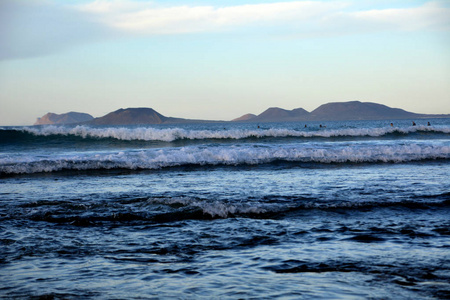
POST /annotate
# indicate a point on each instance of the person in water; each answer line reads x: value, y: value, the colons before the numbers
x: 414, y: 124
x: 428, y: 124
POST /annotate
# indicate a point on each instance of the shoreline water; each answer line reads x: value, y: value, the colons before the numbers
x: 276, y: 216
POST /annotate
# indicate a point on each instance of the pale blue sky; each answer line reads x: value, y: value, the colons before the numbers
x: 220, y: 59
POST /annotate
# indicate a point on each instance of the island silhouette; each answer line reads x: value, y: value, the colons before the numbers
x: 333, y: 111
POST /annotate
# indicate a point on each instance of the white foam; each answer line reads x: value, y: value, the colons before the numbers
x: 214, y: 208
x: 172, y: 134
x: 225, y: 154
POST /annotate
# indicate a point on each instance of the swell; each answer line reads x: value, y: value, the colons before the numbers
x: 234, y: 155
x: 48, y: 133
x: 173, y: 209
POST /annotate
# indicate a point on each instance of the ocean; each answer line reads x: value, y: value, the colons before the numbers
x: 331, y: 210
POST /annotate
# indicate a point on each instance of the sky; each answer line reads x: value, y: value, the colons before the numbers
x: 218, y: 60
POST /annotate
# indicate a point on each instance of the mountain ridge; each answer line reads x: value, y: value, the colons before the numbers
x: 245, y: 117
x: 134, y: 116
x: 66, y: 118
x: 340, y: 111
x: 332, y: 111
x: 275, y: 114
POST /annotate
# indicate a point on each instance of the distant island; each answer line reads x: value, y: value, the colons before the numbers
x: 128, y: 116
x: 67, y: 118
x: 334, y: 111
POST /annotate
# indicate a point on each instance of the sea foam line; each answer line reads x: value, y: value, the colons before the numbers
x: 225, y: 209
x: 172, y: 134
x: 222, y: 155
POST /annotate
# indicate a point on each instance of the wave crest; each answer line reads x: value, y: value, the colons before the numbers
x: 173, y: 134
x: 224, y: 155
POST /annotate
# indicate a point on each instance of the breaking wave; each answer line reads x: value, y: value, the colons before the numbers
x: 163, y: 209
x: 173, y: 134
x: 224, y: 155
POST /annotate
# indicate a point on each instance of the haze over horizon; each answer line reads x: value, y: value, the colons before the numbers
x: 218, y: 60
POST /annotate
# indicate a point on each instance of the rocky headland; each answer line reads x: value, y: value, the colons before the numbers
x: 60, y: 119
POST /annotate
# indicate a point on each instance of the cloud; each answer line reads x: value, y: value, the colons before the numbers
x: 31, y: 28
x: 430, y: 16
x: 150, y: 19
x: 321, y: 17
x: 36, y: 28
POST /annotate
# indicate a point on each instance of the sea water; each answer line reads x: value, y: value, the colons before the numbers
x: 346, y: 210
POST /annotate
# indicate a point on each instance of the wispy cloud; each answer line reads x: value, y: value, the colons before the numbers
x: 151, y: 19
x: 430, y: 16
x: 318, y: 16
x: 32, y: 28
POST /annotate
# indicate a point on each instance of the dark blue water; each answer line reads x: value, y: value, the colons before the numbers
x: 354, y: 210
